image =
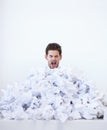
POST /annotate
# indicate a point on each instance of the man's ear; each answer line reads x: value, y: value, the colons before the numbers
x: 60, y: 57
x: 46, y: 57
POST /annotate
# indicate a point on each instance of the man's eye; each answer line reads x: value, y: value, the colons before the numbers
x: 50, y: 56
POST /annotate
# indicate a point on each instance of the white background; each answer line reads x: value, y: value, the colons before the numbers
x: 79, y: 26
x: 53, y: 125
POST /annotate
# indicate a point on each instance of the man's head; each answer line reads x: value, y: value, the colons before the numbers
x: 53, y: 55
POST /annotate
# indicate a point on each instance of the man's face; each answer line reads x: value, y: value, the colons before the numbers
x: 53, y: 57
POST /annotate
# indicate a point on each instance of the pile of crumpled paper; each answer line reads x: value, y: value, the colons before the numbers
x: 52, y: 94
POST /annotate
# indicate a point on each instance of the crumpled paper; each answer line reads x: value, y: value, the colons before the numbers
x: 52, y: 94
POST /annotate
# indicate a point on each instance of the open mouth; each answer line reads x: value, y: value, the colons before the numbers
x: 53, y: 63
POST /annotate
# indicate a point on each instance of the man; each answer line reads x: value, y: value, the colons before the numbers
x: 53, y: 55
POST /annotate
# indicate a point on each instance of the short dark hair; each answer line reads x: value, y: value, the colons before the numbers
x: 53, y: 46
